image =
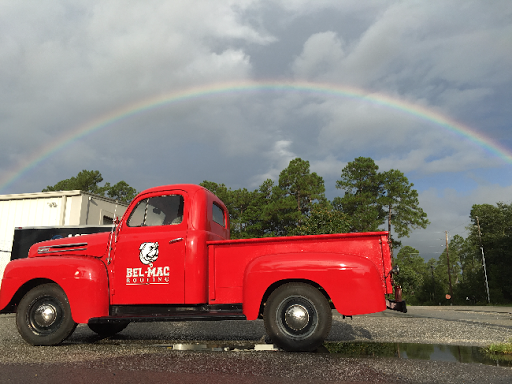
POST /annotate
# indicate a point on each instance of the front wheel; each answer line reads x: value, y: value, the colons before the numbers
x: 44, y: 316
x: 297, y: 317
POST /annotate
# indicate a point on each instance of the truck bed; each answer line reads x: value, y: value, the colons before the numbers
x: 229, y: 259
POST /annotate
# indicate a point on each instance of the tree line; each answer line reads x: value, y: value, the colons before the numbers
x: 296, y: 203
x: 87, y: 181
x: 489, y: 239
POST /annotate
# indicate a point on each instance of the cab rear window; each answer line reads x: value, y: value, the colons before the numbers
x: 218, y: 215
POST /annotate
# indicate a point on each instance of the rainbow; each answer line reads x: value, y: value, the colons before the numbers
x: 318, y: 89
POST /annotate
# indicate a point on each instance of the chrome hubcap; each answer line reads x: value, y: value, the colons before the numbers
x: 296, y: 317
x: 45, y: 315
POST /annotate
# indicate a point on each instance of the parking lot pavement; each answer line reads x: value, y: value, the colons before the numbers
x: 141, y: 353
x: 452, y: 325
x: 483, y: 314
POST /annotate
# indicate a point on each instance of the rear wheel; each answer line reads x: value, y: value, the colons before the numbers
x: 297, y: 317
x: 44, y: 316
x: 108, y: 329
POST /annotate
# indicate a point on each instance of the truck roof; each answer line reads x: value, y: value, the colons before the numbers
x: 185, y: 187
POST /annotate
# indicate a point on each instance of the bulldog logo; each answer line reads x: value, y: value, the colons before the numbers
x: 148, y: 253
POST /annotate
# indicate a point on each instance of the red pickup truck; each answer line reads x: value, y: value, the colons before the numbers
x: 169, y: 258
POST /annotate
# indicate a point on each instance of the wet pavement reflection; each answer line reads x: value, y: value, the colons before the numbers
x: 433, y: 352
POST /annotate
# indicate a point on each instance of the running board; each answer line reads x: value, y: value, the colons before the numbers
x: 149, y: 313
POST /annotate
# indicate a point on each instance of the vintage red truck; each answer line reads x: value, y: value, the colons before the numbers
x: 170, y: 258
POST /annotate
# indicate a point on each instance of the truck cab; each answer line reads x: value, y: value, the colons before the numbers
x: 159, y: 248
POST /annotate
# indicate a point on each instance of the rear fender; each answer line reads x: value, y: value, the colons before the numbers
x: 84, y: 280
x: 353, y: 283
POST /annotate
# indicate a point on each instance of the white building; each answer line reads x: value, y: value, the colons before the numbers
x: 51, y: 209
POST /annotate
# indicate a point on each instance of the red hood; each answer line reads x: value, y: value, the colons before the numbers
x: 94, y: 245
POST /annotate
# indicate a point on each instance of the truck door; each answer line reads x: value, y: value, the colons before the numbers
x: 149, y: 252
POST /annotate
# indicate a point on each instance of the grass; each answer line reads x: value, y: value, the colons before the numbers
x: 500, y: 349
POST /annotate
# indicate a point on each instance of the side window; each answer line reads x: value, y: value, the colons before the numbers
x: 218, y: 215
x: 107, y: 220
x: 159, y: 210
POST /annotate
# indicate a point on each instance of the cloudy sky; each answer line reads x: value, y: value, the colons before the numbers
x: 162, y: 92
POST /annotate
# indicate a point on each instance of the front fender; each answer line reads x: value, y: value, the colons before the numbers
x: 83, y: 279
x: 353, y: 283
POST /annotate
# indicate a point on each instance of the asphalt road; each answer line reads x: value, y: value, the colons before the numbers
x: 143, y: 352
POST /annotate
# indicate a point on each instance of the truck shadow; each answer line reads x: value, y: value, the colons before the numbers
x: 343, y: 331
x: 207, y: 331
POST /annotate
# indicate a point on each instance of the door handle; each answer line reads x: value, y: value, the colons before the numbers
x: 175, y: 240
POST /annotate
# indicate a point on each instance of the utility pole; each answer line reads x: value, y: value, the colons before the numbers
x: 433, y: 284
x: 448, y: 264
x: 483, y: 260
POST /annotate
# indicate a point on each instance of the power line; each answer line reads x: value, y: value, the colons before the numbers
x: 457, y: 227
